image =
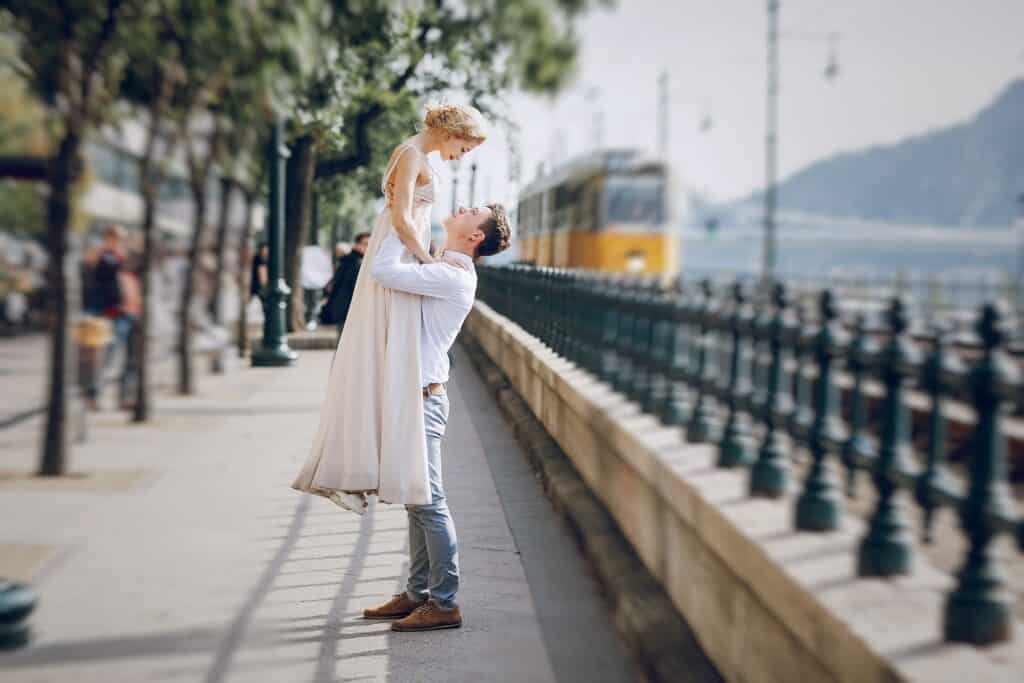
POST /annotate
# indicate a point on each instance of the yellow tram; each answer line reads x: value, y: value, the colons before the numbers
x: 607, y: 210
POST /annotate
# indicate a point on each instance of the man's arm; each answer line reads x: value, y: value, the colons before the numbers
x: 440, y: 280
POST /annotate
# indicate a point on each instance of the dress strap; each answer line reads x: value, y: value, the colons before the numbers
x: 394, y: 164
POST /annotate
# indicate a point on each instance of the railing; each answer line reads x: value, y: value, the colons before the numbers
x: 757, y: 376
x: 951, y: 297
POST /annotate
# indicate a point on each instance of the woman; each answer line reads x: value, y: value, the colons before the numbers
x: 371, y: 438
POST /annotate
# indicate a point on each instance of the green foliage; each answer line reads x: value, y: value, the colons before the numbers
x: 22, y: 118
x: 379, y: 63
x: 57, y: 43
x: 21, y: 209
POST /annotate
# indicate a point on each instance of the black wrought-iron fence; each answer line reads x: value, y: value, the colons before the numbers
x: 756, y: 374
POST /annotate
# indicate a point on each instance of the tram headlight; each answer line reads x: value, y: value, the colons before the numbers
x: 636, y: 261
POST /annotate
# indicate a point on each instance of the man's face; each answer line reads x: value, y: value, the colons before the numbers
x: 462, y: 224
x: 360, y: 246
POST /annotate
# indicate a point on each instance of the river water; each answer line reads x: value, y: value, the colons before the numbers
x: 963, y: 267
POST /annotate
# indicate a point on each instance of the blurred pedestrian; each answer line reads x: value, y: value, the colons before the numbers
x: 258, y: 276
x: 340, y: 250
x: 102, y: 300
x: 339, y: 290
x: 131, y: 312
x: 104, y: 261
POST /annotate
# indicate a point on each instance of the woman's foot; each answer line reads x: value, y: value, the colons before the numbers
x: 353, y: 502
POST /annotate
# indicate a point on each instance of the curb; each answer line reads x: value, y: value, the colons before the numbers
x: 661, y: 642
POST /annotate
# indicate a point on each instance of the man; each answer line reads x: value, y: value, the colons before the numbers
x: 258, y: 276
x: 448, y: 289
x: 104, y: 298
x: 343, y: 284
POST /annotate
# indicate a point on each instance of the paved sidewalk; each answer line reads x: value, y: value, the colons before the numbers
x: 203, y: 565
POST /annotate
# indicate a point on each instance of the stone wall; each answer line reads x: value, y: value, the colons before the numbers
x: 767, y: 603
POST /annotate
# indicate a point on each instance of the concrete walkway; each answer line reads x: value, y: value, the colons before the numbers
x: 179, y: 553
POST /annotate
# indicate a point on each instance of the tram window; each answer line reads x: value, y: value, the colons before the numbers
x: 635, y: 200
x: 567, y: 200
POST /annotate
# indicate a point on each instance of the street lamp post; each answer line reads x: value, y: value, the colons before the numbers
x: 663, y: 114
x: 771, y: 137
x: 472, y: 184
x: 274, y: 350
x: 1017, y: 287
x: 593, y: 97
x: 1019, y: 230
x: 455, y: 186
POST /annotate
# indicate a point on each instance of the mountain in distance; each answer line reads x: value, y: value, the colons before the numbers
x: 970, y: 174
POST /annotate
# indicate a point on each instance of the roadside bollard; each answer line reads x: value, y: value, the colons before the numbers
x: 16, y: 602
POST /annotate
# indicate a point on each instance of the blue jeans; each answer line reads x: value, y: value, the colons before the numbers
x: 433, y: 548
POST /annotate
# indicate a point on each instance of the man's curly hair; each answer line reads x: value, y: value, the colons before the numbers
x: 497, y: 233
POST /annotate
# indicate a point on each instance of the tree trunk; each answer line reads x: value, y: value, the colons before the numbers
x: 314, y: 223
x: 151, y: 177
x: 298, y: 188
x: 244, y: 270
x: 63, y: 278
x: 186, y: 374
x: 141, y: 411
x: 227, y: 186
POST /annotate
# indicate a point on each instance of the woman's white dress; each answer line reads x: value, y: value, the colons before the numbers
x: 371, y: 435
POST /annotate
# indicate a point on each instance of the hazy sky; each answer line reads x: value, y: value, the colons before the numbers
x: 907, y: 66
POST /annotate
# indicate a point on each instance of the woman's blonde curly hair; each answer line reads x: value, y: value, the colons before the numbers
x: 460, y: 120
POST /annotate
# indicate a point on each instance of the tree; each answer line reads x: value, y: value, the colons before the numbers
x: 149, y: 84
x: 226, y: 48
x: 70, y: 55
x: 252, y: 190
x: 238, y: 170
x: 22, y: 136
x: 382, y: 63
x: 203, y: 32
x: 481, y: 48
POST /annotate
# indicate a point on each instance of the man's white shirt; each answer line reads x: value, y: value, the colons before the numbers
x: 448, y: 292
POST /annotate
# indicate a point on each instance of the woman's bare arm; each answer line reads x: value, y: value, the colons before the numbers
x: 407, y: 169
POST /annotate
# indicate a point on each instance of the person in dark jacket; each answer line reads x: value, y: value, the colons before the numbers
x: 103, y: 298
x: 258, y: 276
x: 339, y: 290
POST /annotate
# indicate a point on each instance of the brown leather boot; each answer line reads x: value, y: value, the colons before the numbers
x: 398, y: 606
x: 429, y: 617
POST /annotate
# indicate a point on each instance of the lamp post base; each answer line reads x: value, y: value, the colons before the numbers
x: 273, y: 357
